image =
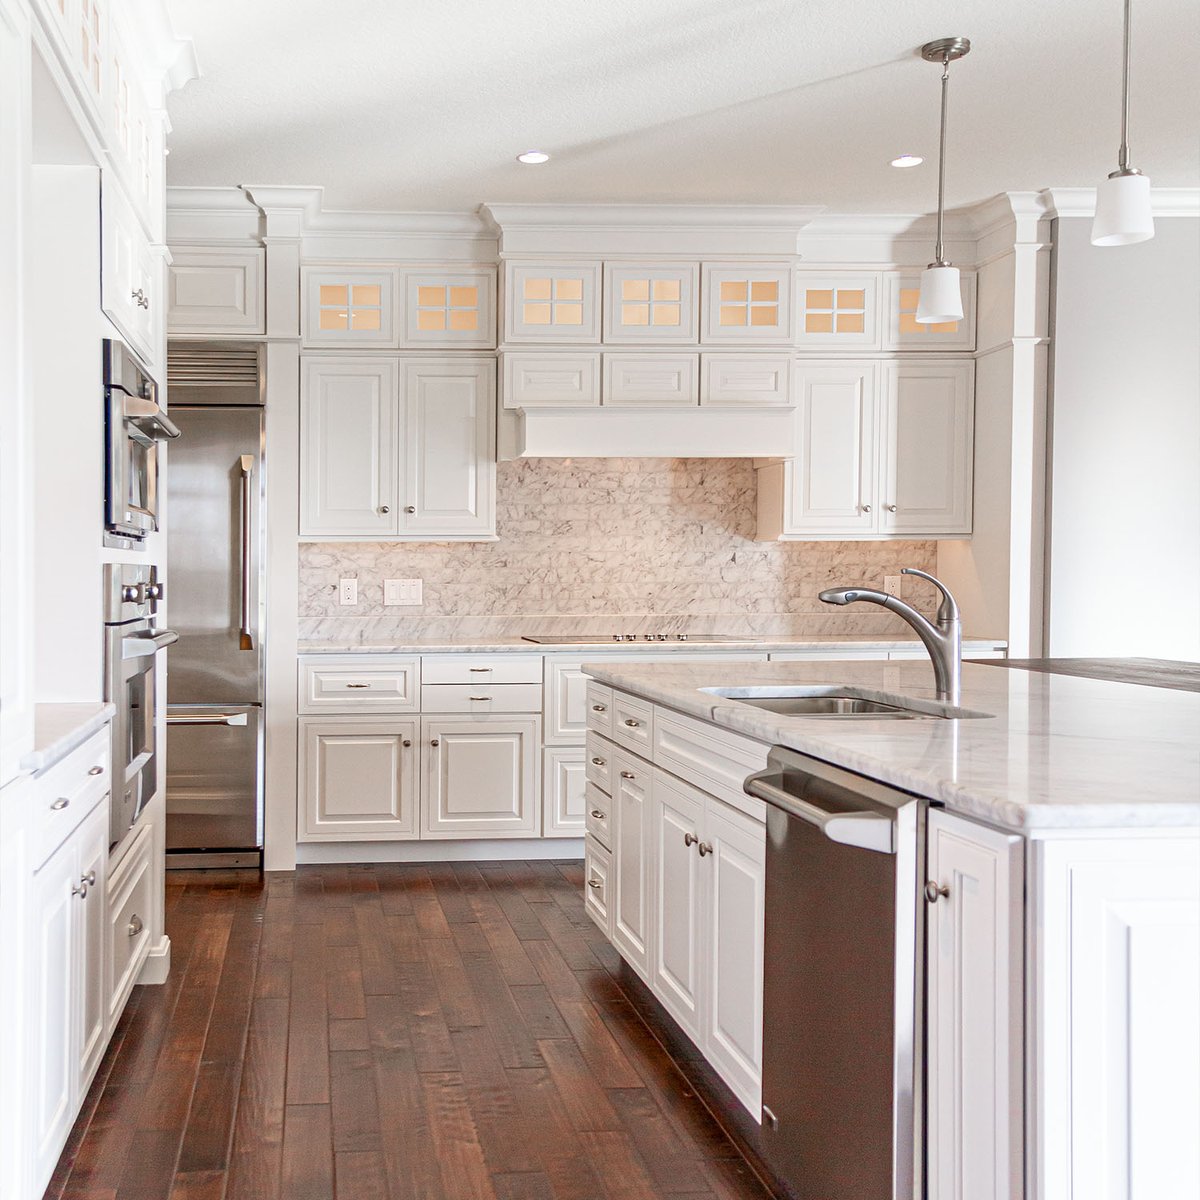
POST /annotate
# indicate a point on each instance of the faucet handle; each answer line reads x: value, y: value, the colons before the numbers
x: 949, y: 606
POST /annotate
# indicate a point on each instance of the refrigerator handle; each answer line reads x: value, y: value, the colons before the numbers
x: 246, y: 637
x: 220, y: 718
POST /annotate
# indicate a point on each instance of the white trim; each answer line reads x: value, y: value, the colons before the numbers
x: 507, y: 850
x: 157, y: 966
x: 1081, y: 202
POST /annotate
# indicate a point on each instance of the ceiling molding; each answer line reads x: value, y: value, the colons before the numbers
x: 1081, y: 202
x: 200, y: 216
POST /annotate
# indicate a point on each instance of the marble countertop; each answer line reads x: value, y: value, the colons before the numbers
x: 59, y: 728
x: 1059, y: 752
x: 752, y: 642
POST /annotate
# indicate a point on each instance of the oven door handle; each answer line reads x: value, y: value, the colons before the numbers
x: 136, y: 645
x: 219, y: 718
x: 245, y: 635
x: 866, y: 830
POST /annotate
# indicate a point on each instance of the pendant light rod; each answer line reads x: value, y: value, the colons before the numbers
x: 945, y: 51
x: 1123, y: 153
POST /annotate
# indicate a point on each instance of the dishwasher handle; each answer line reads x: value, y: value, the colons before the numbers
x: 867, y: 830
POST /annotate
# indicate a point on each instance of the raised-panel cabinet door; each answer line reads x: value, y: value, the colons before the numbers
x: 830, y: 485
x: 548, y: 302
x: 91, y: 48
x: 447, y: 308
x: 837, y: 312
x: 348, y: 448
x: 91, y: 931
x: 905, y: 332
x: 651, y: 303
x: 736, y: 862
x: 652, y: 380
x: 677, y: 814
x: 479, y: 777
x: 349, y: 307
x: 555, y: 379
x: 128, y: 291
x: 631, y: 785
x: 564, y: 791
x: 566, y: 711
x: 449, y: 447
x: 215, y: 291
x: 358, y: 779
x: 927, y: 450
x: 974, y: 1043
x: 748, y: 305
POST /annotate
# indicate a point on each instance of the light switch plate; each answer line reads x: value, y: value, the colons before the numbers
x: 347, y: 591
x: 891, y: 584
x: 402, y: 591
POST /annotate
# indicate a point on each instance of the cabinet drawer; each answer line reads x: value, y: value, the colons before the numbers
x: 633, y: 723
x: 599, y: 708
x: 713, y: 759
x: 744, y: 379
x: 551, y: 380
x: 598, y: 818
x: 485, y: 668
x: 597, y: 866
x: 130, y: 894
x: 481, y: 697
x: 599, y: 762
x: 359, y: 684
x: 651, y: 379
x: 68, y: 791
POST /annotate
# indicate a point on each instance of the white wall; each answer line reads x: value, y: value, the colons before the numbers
x: 1123, y: 561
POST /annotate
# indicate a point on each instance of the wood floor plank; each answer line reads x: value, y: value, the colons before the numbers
x: 307, y: 1153
x: 256, y: 1156
x: 672, y: 1163
x: 308, y: 1026
x: 529, y: 1185
x: 609, y: 1065
x: 360, y: 1175
x: 459, y: 1006
x: 621, y: 1171
x: 584, y: 1102
x: 540, y: 1013
x: 353, y: 1102
x: 460, y: 1158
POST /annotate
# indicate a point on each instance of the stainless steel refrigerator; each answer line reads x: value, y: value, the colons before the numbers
x: 215, y: 522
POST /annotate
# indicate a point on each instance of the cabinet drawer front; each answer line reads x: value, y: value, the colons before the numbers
x: 599, y: 708
x: 597, y: 866
x: 599, y: 761
x: 598, y: 819
x: 360, y: 684
x: 713, y: 759
x: 68, y: 791
x: 551, y: 380
x: 483, y: 668
x: 130, y: 895
x: 633, y: 723
x: 737, y: 379
x: 482, y: 698
x: 651, y: 379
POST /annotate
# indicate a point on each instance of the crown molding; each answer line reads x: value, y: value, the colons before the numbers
x: 198, y: 216
x: 1081, y: 202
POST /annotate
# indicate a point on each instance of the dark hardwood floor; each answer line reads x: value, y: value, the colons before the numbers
x: 446, y: 1032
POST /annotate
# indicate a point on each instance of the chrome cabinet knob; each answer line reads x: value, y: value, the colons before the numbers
x: 597, y: 814
x: 59, y: 804
x: 96, y: 771
x: 690, y: 839
x: 632, y: 723
x: 90, y: 879
x: 383, y: 508
x: 866, y: 508
x: 599, y: 708
x: 628, y: 775
x: 136, y: 925
x: 434, y: 742
x: 934, y: 890
x: 704, y: 849
x: 406, y: 743
x: 81, y: 891
x: 597, y: 762
x: 410, y: 508
x: 891, y: 508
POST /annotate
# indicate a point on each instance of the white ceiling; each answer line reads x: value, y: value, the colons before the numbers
x: 423, y: 104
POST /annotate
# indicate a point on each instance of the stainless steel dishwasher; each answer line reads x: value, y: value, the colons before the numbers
x: 842, y: 1009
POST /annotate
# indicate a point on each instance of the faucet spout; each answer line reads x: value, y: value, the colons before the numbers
x: 943, y: 640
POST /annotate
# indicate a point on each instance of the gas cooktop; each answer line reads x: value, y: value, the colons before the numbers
x: 595, y: 639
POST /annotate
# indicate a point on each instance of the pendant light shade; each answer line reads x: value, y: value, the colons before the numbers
x: 940, y: 299
x: 1123, y: 211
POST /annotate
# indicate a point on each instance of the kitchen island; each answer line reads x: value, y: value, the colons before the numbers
x: 1061, y: 978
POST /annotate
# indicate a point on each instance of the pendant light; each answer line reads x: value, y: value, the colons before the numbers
x: 1123, y: 212
x: 941, y: 291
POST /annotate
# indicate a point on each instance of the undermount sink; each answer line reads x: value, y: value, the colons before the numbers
x: 840, y: 703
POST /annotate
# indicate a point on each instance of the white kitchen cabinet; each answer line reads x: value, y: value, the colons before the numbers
x: 129, y: 290
x: 597, y: 865
x: 551, y: 380
x: 651, y: 303
x: 630, y: 823
x: 130, y: 897
x: 838, y: 312
x: 347, y: 306
x: 358, y: 778
x: 362, y: 683
x: 216, y: 290
x: 447, y: 308
x: 551, y: 302
x: 652, y: 380
x: 349, y: 449
x: 744, y: 380
x: 747, y: 305
x: 974, y: 1015
x: 904, y: 332
x: 397, y: 449
x: 480, y: 776
x: 885, y: 451
x: 564, y: 791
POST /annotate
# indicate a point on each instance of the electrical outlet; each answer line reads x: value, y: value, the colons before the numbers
x: 402, y: 591
x: 347, y: 591
x: 891, y: 584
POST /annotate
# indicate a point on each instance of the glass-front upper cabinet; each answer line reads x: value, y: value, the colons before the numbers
x: 651, y: 303
x: 448, y: 307
x: 747, y: 305
x: 349, y: 307
x: 904, y: 332
x: 552, y: 302
x: 835, y: 312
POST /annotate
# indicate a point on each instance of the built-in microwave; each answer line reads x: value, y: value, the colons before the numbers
x: 133, y: 426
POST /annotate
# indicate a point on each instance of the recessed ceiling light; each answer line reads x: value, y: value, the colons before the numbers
x: 533, y: 156
x: 908, y: 160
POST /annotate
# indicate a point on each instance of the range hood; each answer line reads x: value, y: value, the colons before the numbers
x: 612, y: 432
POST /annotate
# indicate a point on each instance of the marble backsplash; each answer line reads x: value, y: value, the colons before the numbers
x: 597, y: 545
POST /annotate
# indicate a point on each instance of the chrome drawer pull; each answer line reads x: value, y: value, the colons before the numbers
x: 96, y: 771
x: 704, y: 849
x: 136, y: 925
x: 597, y: 762
x: 934, y: 890
x: 599, y: 708
x: 597, y: 814
x: 481, y: 697
x: 690, y: 839
x: 632, y: 723
x: 628, y: 775
x: 59, y: 804
x: 358, y: 685
x: 594, y: 883
x: 480, y: 670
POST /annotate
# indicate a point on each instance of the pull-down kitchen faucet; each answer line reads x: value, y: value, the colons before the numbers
x: 943, y: 640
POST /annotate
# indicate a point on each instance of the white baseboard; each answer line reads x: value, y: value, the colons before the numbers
x: 157, y: 966
x: 449, y: 851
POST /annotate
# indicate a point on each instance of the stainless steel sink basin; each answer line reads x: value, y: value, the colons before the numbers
x: 840, y: 702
